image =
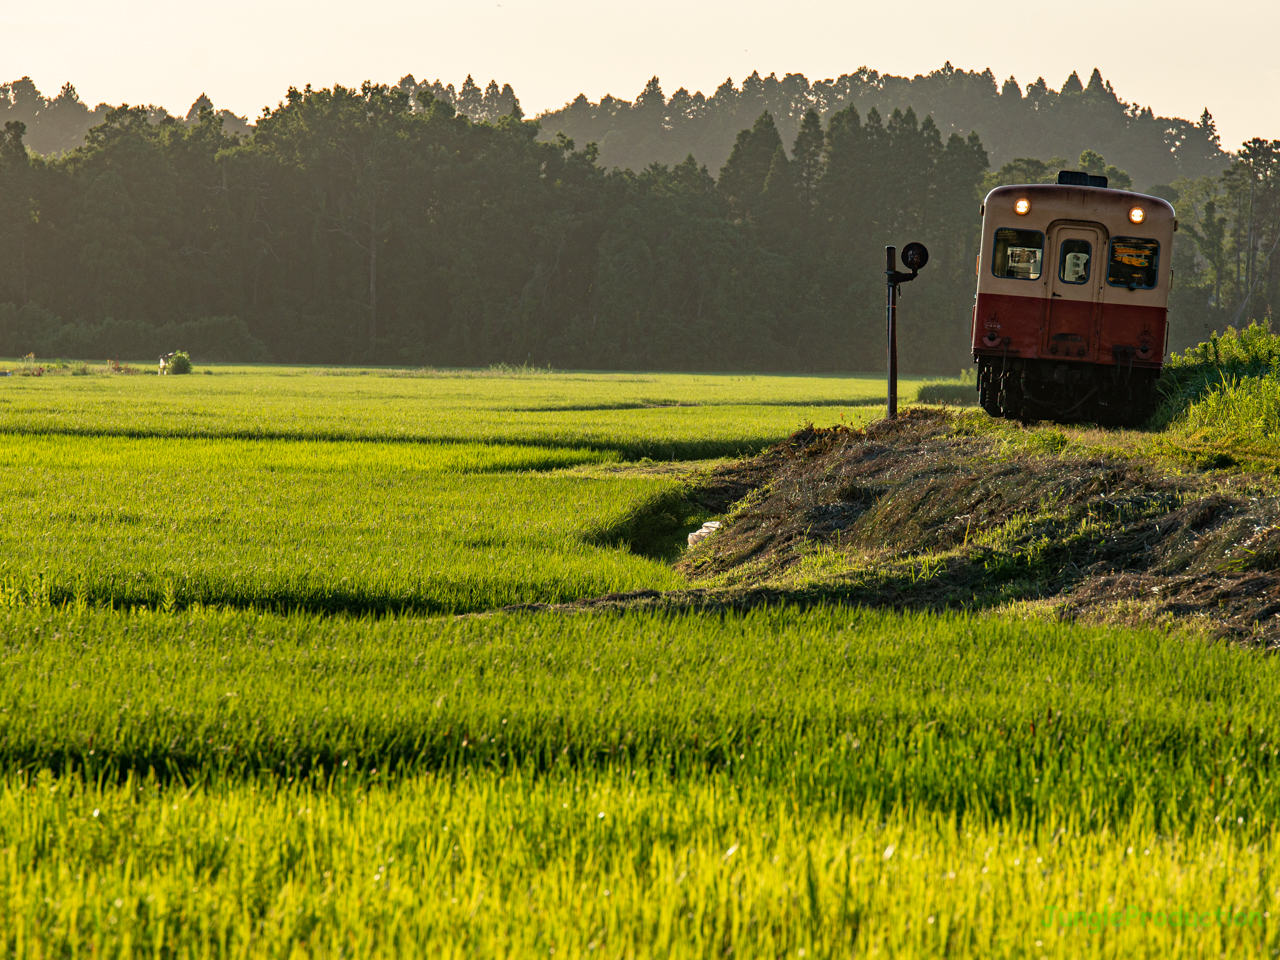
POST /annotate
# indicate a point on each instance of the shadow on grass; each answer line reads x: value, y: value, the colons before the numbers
x: 650, y: 449
x: 673, y: 404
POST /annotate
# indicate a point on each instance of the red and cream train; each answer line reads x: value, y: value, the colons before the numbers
x: 1073, y: 288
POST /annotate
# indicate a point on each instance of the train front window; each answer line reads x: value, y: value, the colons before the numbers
x: 1018, y: 254
x: 1073, y: 262
x: 1134, y: 263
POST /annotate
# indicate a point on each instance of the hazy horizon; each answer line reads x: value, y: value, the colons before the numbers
x: 553, y: 51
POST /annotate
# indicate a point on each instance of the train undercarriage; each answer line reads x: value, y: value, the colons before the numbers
x: 1114, y: 395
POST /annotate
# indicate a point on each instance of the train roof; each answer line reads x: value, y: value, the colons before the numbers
x: 1054, y: 201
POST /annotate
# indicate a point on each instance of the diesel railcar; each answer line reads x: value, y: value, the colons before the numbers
x: 1070, y: 319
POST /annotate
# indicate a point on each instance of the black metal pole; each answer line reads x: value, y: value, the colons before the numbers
x: 891, y: 269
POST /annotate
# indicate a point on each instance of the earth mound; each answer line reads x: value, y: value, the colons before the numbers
x: 931, y: 511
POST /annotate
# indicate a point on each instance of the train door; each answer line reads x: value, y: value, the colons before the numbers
x: 1075, y: 292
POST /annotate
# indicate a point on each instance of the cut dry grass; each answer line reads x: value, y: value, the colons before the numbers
x: 938, y: 511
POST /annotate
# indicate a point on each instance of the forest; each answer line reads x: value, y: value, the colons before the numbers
x: 1036, y: 122
x: 417, y: 224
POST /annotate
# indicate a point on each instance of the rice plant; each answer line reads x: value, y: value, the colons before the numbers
x: 832, y: 781
x: 661, y: 416
x: 315, y: 525
x: 233, y: 723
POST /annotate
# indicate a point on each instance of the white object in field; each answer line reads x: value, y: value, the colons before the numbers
x: 708, y: 528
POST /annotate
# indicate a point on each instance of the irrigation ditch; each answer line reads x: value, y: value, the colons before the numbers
x: 932, y: 511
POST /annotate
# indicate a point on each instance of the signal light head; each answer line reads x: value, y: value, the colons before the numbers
x: 915, y: 256
x: 1137, y: 215
x: 1022, y: 207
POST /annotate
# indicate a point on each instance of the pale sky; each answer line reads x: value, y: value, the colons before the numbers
x: 1177, y: 56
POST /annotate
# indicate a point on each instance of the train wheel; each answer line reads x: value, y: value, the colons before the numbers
x: 1011, y: 403
x: 988, y: 388
x: 1143, y: 404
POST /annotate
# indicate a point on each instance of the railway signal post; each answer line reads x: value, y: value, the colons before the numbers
x: 914, y: 256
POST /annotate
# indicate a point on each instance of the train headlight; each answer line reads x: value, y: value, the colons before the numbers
x: 1023, y: 207
x: 1137, y: 215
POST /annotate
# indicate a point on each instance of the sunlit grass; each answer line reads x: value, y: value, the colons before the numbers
x: 1028, y: 721
x: 832, y: 781
x: 594, y: 864
x: 189, y: 769
x: 663, y: 416
x: 1246, y: 408
x: 314, y: 525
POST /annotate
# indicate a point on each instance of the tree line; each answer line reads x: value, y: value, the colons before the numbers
x: 1013, y: 122
x: 59, y: 123
x: 1037, y: 121
x: 384, y: 225
x: 1225, y: 253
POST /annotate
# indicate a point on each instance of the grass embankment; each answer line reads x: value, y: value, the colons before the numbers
x: 961, y: 391
x: 634, y: 784
x: 1222, y: 402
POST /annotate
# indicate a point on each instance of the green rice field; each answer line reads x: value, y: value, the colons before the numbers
x: 311, y: 524
x: 660, y: 416
x: 257, y: 699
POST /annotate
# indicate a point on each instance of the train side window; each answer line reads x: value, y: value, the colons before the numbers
x: 1018, y: 254
x: 1134, y: 263
x: 1073, y: 262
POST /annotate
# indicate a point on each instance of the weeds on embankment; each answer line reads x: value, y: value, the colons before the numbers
x: 1247, y: 353
x: 1221, y: 405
